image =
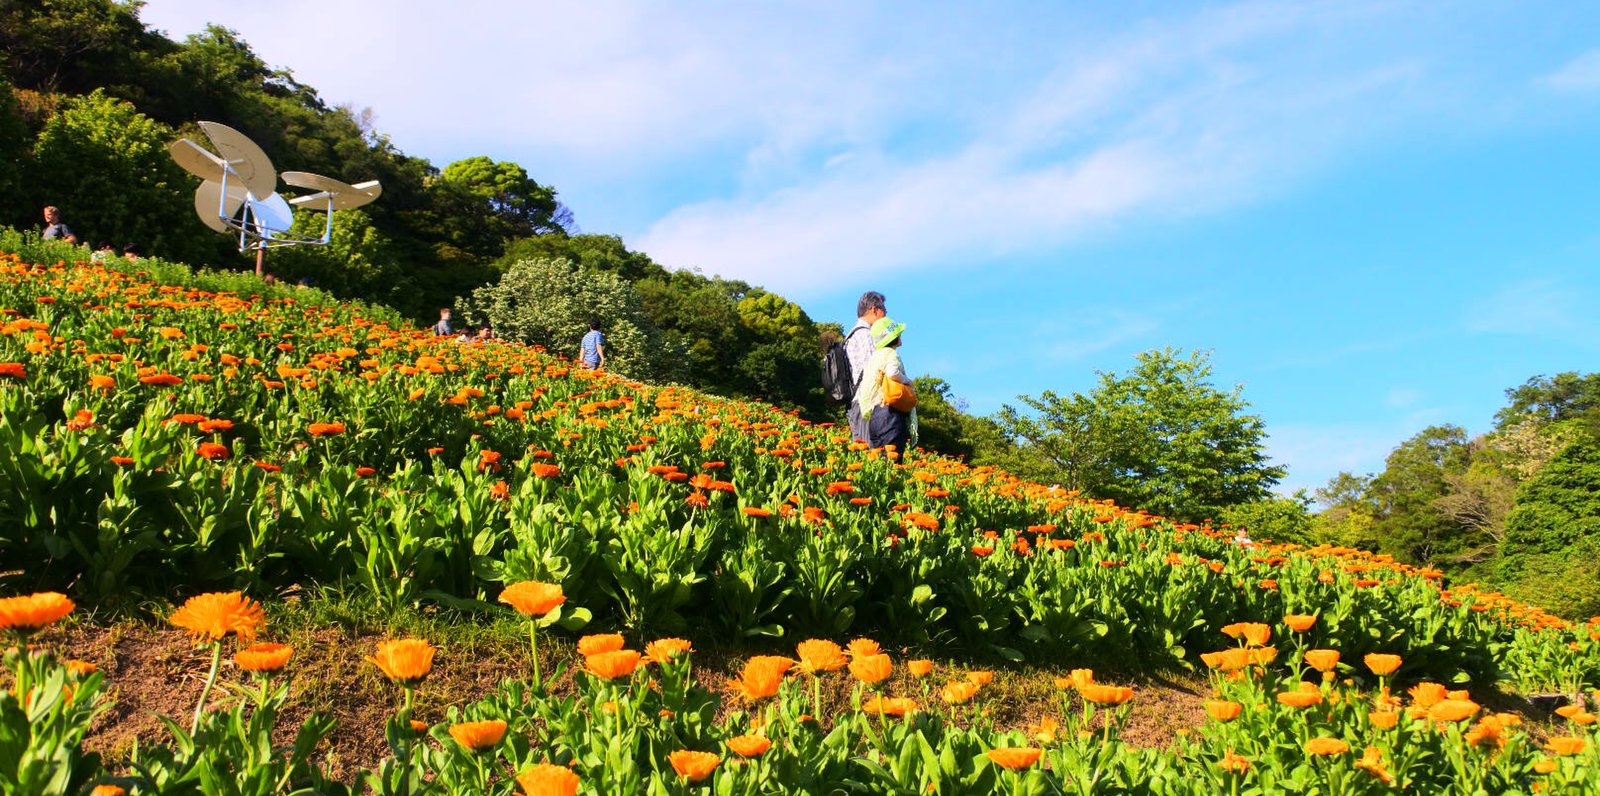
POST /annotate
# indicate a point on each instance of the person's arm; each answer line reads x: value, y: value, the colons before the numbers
x: 895, y: 369
x: 600, y: 352
x: 71, y: 237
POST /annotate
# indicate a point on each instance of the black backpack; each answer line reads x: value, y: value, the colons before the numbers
x: 838, y: 383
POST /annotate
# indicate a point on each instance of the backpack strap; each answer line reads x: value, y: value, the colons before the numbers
x: 855, y: 378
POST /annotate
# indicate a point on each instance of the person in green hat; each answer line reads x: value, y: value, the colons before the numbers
x: 886, y: 424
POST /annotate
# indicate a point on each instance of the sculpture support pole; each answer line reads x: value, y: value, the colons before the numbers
x: 261, y: 258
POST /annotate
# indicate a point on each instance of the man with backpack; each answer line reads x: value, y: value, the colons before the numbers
x: 858, y: 348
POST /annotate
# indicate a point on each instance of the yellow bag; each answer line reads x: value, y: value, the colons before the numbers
x: 898, y: 396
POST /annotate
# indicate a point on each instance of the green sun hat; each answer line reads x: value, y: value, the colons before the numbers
x: 885, y: 331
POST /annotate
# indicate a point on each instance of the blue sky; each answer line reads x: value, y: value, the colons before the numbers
x: 1377, y: 216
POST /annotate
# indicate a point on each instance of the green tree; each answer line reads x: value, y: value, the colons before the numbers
x: 108, y: 169
x: 1405, y: 496
x: 1159, y: 437
x: 594, y: 252
x: 481, y: 204
x: 1279, y: 519
x: 1569, y: 396
x: 359, y: 261
x: 15, y: 151
x: 1551, y: 552
x: 69, y: 45
x: 1349, y: 516
x: 550, y: 303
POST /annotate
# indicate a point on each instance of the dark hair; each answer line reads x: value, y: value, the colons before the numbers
x: 132, y: 248
x: 870, y: 300
x: 594, y: 323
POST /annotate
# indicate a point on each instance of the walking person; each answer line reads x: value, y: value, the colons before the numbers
x: 54, y: 228
x: 442, y: 328
x: 858, y: 347
x: 884, y: 396
x: 592, y: 349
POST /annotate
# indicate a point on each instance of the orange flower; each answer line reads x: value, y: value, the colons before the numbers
x: 1105, y: 694
x: 1254, y: 634
x: 542, y: 470
x: 981, y: 676
x: 1426, y: 695
x: 1382, y: 665
x: 27, y: 615
x: 1452, y: 710
x: 1322, y: 747
x: 1322, y: 660
x: 1372, y: 762
x: 693, y: 766
x: 1226, y: 660
x: 325, y: 429
x: 862, y: 647
x: 544, y: 779
x: 1234, y: 763
x: 761, y: 676
x: 13, y: 369
x: 749, y: 745
x: 213, y: 451
x: 756, y: 511
x: 107, y: 790
x: 211, y: 617
x: 1566, y: 745
x: 596, y: 643
x: 405, y: 661
x: 533, y: 598
x: 1015, y: 757
x: 1299, y: 623
x: 99, y: 382
x: 263, y: 657
x: 79, y: 668
x: 959, y: 691
x: 1302, y: 698
x: 1223, y: 710
x: 872, y: 669
x: 889, y: 707
x: 161, y: 379
x: 612, y: 665
x: 662, y: 650
x: 478, y: 735
x: 920, y: 667
x: 817, y: 655
x: 1384, y: 719
x: 1080, y: 678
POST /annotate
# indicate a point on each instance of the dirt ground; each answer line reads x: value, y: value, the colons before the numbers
x: 153, y: 671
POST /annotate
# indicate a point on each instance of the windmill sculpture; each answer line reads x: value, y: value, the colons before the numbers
x: 238, y: 192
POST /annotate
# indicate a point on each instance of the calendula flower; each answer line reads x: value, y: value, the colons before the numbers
x: 78, y: 668
x: 1254, y: 634
x: 889, y: 707
x: 1234, y: 763
x: 596, y: 643
x: 533, y: 598
x: 1105, y: 694
x: 214, y: 616
x: 543, y: 470
x: 817, y: 655
x: 28, y: 615
x: 13, y: 370
x: 920, y: 667
x: 612, y: 665
x: 1300, y: 698
x: 1223, y: 710
x: 1323, y: 747
x: 1452, y: 710
x: 1015, y: 757
x: 1566, y: 745
x: 662, y: 650
x: 981, y: 676
x: 1382, y: 665
x: 761, y: 676
x: 749, y: 745
x: 107, y: 790
x: 544, y: 779
x: 325, y: 429
x: 862, y: 647
x: 263, y: 657
x: 1299, y: 623
x: 693, y: 766
x: 213, y: 450
x: 478, y: 735
x: 957, y: 692
x: 1322, y: 660
x: 404, y: 661
x: 1384, y: 719
x: 871, y: 669
x: 756, y: 511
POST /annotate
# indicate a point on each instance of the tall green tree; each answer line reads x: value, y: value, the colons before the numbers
x: 16, y: 149
x: 1551, y: 553
x: 1159, y: 437
x: 1569, y: 396
x: 109, y: 171
x: 1405, y: 496
x: 550, y: 303
x: 481, y: 204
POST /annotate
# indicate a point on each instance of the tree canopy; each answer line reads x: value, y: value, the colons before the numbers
x: 1159, y: 436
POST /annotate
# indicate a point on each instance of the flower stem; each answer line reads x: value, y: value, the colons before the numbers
x: 211, y: 679
x: 533, y: 638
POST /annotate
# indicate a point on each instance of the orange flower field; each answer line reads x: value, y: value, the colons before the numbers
x: 208, y: 440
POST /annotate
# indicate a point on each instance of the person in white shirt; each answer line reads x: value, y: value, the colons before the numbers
x: 858, y: 347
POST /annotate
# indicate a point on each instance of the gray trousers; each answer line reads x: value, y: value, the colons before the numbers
x: 858, y: 427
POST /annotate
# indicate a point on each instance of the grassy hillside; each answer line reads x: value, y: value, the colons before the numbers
x: 169, y: 434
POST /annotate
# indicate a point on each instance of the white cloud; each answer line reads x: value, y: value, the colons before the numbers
x: 1174, y: 119
x: 1581, y: 75
x: 1540, y: 308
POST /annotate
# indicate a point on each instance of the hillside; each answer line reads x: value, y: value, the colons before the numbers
x: 170, y: 434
